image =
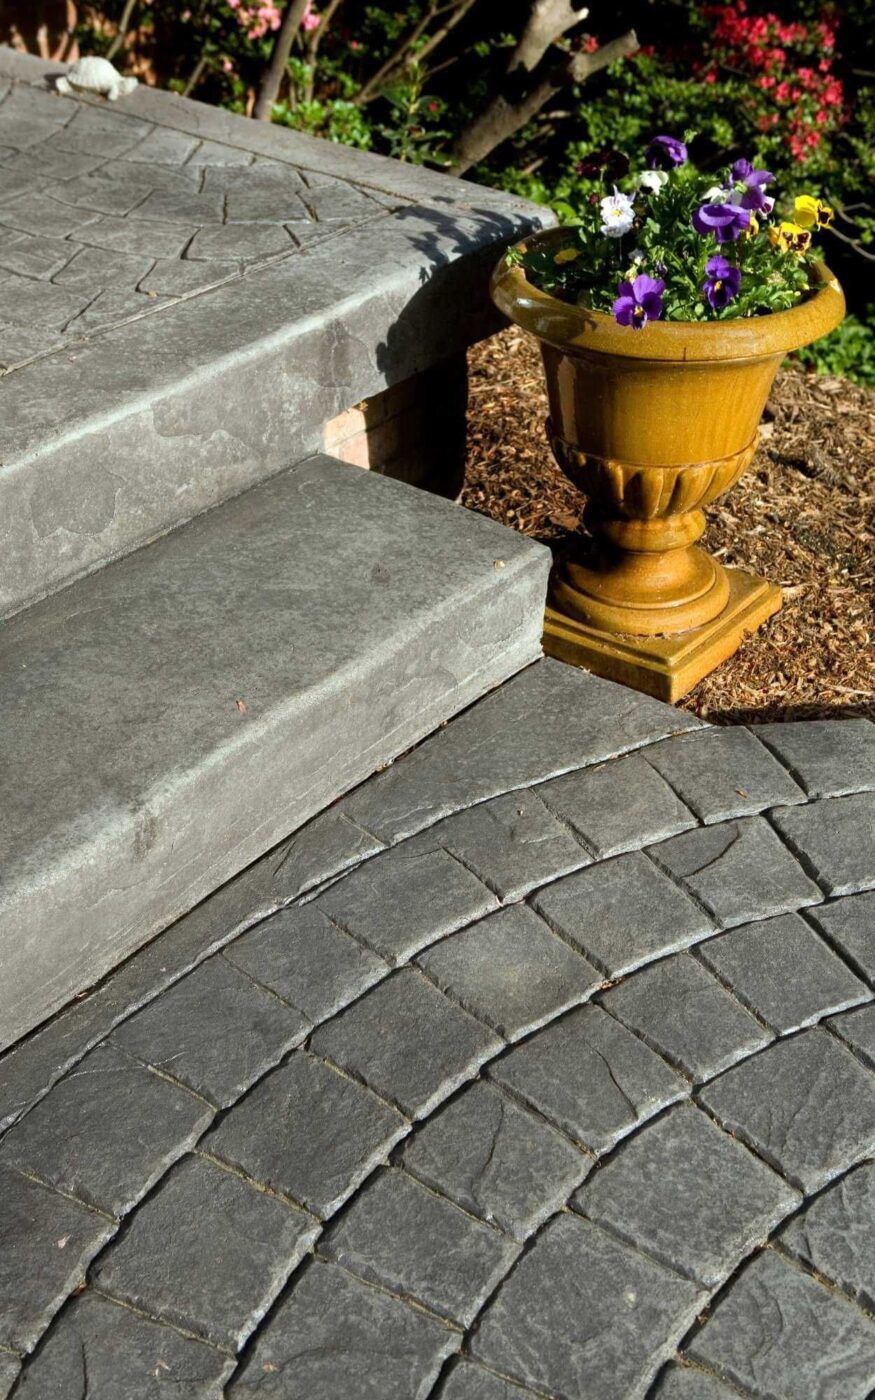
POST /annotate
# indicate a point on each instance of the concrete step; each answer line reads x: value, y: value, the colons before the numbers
x: 169, y: 718
x: 190, y: 297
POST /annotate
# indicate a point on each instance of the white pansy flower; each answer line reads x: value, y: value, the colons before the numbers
x: 652, y: 180
x: 618, y: 214
x: 715, y: 195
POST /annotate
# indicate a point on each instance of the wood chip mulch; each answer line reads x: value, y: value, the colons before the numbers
x: 802, y: 516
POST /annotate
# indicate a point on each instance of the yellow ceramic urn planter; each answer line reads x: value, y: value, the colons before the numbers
x: 652, y: 426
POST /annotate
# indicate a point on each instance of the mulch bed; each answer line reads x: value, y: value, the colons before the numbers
x: 801, y: 516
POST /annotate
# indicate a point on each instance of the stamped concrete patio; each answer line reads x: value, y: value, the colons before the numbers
x: 539, y: 1065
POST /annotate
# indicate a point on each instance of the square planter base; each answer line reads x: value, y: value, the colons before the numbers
x: 666, y: 667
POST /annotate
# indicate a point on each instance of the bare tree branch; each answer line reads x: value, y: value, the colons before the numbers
x: 440, y: 34
x: 314, y: 39
x: 268, y: 92
x: 548, y: 21
x: 396, y: 59
x: 196, y: 75
x: 123, y: 26
x: 456, y: 9
x: 505, y: 114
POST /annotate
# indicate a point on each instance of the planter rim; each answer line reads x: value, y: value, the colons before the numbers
x: 577, y: 328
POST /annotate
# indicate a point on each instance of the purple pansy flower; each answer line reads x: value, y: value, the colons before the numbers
x: 666, y: 150
x: 752, y: 195
x: 724, y: 221
x: 639, y: 301
x: 721, y: 283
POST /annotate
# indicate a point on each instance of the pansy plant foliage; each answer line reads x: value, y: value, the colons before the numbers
x: 668, y: 243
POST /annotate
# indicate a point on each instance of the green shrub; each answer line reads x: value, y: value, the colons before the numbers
x: 849, y: 351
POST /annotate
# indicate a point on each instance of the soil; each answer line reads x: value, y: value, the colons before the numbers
x: 802, y: 516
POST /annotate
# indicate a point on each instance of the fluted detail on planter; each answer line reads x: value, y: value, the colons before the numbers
x: 648, y: 492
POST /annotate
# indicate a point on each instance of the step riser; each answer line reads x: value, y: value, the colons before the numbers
x: 151, y: 787
x: 104, y: 487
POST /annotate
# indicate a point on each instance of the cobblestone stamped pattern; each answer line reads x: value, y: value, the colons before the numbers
x: 105, y: 217
x: 533, y: 1086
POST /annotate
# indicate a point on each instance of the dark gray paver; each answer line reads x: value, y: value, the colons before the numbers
x: 102, y: 1351
x: 9, y: 1369
x: 723, y: 773
x: 309, y: 1132
x: 399, y: 1234
x: 850, y: 925
x: 834, y: 839
x: 784, y: 972
x: 683, y: 1012
x: 617, y: 806
x: 207, y: 1252
x: 514, y: 843
x: 215, y: 1030
x: 778, y: 1332
x: 107, y: 1132
x: 549, y: 719
x: 805, y: 1104
x: 407, y: 1042
x: 334, y: 1337
x: 468, y: 1381
x: 591, y: 1076
x: 691, y: 1383
x: 583, y: 1314
x: 326, y: 846
x: 688, y: 1194
x: 30, y: 1068
x: 740, y: 870
x: 496, y: 1160
x: 836, y: 1234
x: 857, y: 1028
x: 511, y: 971
x: 399, y: 902
x: 309, y: 962
x: 829, y: 757
x: 47, y: 1244
x: 623, y: 913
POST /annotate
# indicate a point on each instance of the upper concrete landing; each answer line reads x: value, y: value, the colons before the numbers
x: 188, y: 296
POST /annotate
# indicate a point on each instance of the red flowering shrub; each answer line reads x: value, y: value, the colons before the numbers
x: 794, y: 91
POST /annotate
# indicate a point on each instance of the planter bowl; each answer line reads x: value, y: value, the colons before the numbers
x: 652, y: 425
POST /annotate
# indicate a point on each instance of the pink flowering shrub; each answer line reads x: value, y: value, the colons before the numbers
x: 256, y: 20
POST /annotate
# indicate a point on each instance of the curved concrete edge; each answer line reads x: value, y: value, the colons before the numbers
x: 347, y: 613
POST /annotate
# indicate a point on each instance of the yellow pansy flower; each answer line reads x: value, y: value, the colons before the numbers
x: 790, y: 238
x: 812, y: 213
x: 566, y: 255
x: 752, y: 229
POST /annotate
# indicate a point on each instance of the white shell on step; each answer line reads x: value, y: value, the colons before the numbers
x: 95, y: 75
